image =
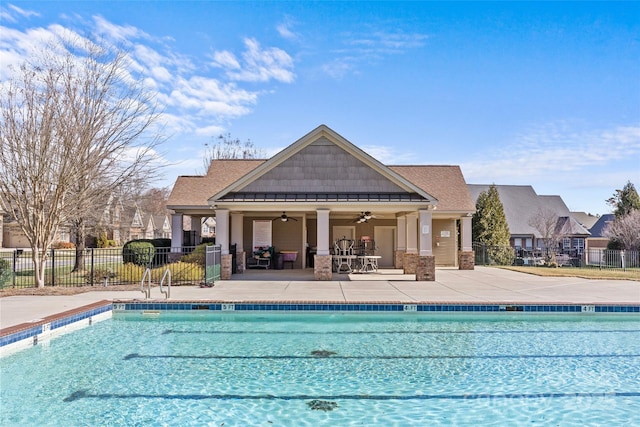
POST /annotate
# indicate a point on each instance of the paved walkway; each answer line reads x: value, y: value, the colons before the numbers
x: 484, y: 284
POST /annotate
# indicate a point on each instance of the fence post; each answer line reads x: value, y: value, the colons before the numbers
x: 15, y: 266
x: 53, y: 267
x: 91, y: 275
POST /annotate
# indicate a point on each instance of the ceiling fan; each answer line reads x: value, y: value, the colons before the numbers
x: 364, y: 217
x: 284, y: 218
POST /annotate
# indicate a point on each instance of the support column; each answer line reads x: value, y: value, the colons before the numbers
x: 222, y: 239
x: 322, y: 261
x: 426, y: 269
x: 237, y: 238
x: 426, y: 232
x: 196, y: 227
x: 466, y: 260
x: 177, y: 233
x: 410, y: 257
x: 402, y: 242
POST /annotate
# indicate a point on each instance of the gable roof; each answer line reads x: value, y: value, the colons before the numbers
x: 598, y: 228
x: 318, y: 166
x: 587, y: 220
x: 568, y: 226
x: 334, y: 162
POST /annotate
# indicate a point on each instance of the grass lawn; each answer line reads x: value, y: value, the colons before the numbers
x: 585, y: 273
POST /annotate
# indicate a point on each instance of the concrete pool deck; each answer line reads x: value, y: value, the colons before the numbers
x: 482, y: 285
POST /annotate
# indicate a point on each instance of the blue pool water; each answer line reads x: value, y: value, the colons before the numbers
x: 329, y: 369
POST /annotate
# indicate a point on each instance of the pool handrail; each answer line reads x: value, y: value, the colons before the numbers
x: 147, y: 292
x: 168, y: 292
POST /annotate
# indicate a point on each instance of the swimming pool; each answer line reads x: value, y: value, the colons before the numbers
x: 239, y: 369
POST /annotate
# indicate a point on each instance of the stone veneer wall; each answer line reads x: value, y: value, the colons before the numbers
x: 409, y: 263
x: 426, y: 269
x: 466, y: 260
x: 322, y: 267
x: 225, y: 267
x: 398, y: 259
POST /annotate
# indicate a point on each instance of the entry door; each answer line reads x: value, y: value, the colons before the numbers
x: 385, y: 238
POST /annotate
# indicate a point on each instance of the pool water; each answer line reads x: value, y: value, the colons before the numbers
x: 281, y: 369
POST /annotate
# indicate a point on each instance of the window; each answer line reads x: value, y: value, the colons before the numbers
x: 566, y: 243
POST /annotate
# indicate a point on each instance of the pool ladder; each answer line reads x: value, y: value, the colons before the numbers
x: 147, y: 276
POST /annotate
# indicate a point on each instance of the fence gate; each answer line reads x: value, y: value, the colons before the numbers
x: 212, y: 264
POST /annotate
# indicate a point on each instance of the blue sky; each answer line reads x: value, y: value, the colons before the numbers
x: 544, y: 94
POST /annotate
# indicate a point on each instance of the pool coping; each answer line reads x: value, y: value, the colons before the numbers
x: 24, y: 335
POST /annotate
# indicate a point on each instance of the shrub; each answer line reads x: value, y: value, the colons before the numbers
x: 181, y: 272
x: 5, y: 273
x: 501, y: 255
x: 130, y: 273
x: 159, y: 253
x: 138, y: 253
x: 198, y: 256
x: 102, y: 241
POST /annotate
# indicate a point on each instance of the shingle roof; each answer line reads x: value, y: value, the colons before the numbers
x: 445, y: 183
x: 598, y: 228
x: 194, y: 191
x: 587, y: 220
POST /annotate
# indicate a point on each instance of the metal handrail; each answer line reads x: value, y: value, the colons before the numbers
x: 147, y: 292
x: 168, y: 293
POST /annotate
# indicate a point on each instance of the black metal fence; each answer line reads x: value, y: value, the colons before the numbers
x: 102, y: 267
x: 591, y: 258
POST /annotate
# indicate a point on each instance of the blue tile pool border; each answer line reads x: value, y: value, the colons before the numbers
x: 372, y: 307
x: 27, y: 331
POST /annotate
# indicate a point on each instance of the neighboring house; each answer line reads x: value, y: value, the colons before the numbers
x: 14, y: 237
x: 162, y: 227
x: 208, y: 227
x: 418, y: 216
x: 123, y: 223
x: 598, y: 240
x: 521, y: 204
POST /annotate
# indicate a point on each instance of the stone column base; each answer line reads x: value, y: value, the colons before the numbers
x: 241, y: 263
x: 398, y: 258
x: 466, y: 260
x: 409, y: 263
x: 322, y: 267
x: 426, y: 269
x: 225, y: 267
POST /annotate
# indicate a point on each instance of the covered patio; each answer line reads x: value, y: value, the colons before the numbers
x: 293, y: 210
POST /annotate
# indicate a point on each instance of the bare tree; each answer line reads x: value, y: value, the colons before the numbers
x: 625, y: 229
x: 227, y: 147
x: 545, y: 221
x: 74, y: 127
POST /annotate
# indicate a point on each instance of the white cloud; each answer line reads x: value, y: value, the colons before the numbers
x: 389, y: 155
x: 559, y: 151
x: 285, y: 32
x: 370, y: 47
x: 210, y: 130
x: 11, y: 13
x: 118, y: 33
x: 257, y: 65
x: 225, y: 59
x: 193, y: 99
